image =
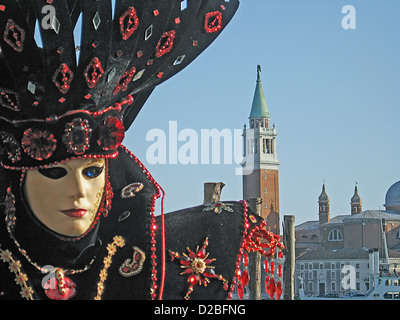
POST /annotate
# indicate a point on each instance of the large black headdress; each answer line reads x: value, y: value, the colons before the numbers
x: 53, y: 107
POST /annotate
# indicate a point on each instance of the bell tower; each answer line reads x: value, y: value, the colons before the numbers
x: 261, y: 164
x: 323, y: 202
x: 356, y: 203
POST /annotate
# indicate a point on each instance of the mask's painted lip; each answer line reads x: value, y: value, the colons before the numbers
x: 75, y: 213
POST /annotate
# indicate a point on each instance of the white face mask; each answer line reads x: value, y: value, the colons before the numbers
x: 66, y: 197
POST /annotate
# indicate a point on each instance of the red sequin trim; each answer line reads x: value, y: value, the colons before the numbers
x: 93, y: 72
x: 165, y: 44
x: 14, y: 36
x: 62, y: 78
x: 213, y: 22
x: 128, y: 22
x: 153, y: 229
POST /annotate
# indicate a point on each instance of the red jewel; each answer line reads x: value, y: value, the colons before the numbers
x: 245, y: 278
x: 77, y: 136
x: 67, y: 292
x: 213, y: 22
x: 111, y: 134
x: 93, y: 72
x: 128, y: 22
x: 38, y: 144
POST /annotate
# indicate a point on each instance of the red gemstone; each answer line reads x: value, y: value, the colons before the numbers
x: 271, y: 288
x: 69, y: 287
x: 77, y: 136
x: 245, y: 278
x: 193, y: 279
x: 185, y: 261
x: 240, y: 291
x: 202, y: 253
x: 278, y: 291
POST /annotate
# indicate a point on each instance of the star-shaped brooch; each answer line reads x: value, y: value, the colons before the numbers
x: 198, y: 267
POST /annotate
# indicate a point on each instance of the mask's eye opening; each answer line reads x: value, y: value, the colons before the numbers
x: 92, y: 171
x: 53, y: 173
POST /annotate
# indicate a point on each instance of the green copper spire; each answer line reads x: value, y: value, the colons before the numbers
x: 259, y: 108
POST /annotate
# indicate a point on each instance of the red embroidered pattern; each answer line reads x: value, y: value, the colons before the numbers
x: 93, y: 72
x: 9, y: 99
x: 165, y: 44
x: 14, y: 36
x: 128, y: 22
x: 213, y: 22
x: 62, y: 78
x: 125, y: 80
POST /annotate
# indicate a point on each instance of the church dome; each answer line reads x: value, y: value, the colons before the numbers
x: 392, y: 199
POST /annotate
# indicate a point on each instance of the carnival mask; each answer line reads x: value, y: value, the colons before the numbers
x: 66, y: 197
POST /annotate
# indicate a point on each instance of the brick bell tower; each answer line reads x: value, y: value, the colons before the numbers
x: 261, y: 164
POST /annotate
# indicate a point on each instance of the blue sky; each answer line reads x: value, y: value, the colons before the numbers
x: 332, y: 93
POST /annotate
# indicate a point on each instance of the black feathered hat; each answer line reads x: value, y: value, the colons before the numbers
x: 53, y: 107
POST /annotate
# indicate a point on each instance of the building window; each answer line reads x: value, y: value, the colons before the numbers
x: 265, y: 190
x: 335, y: 235
x: 333, y: 286
x: 265, y: 176
x: 398, y: 234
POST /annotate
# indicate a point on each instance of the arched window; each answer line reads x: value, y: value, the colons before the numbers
x: 398, y: 234
x: 335, y: 235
